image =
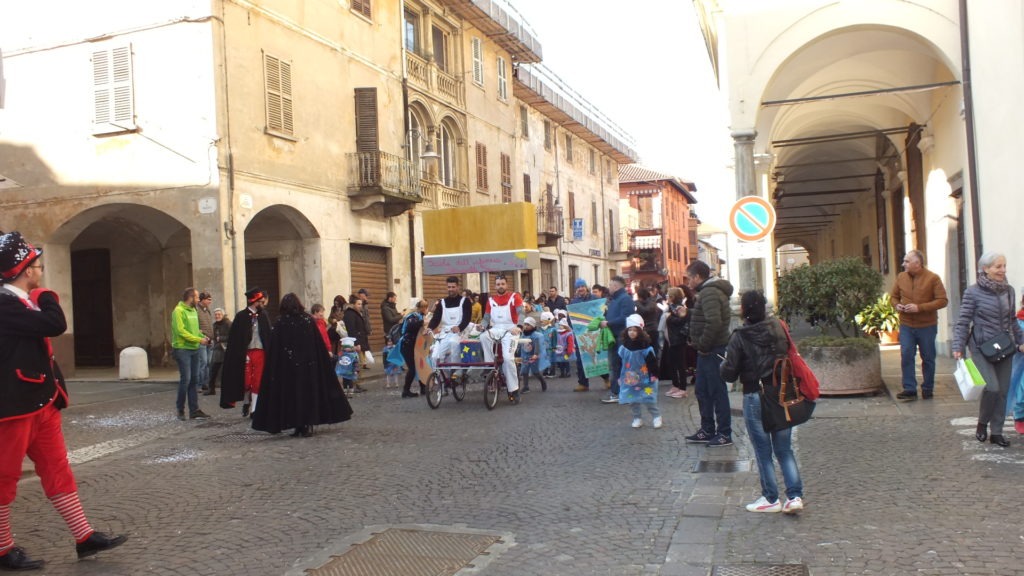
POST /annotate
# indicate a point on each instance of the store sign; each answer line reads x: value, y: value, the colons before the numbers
x: 577, y: 228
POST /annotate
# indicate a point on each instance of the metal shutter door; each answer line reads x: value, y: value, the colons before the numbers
x: 370, y: 271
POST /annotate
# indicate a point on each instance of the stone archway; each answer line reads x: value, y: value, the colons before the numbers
x: 282, y: 255
x: 126, y: 266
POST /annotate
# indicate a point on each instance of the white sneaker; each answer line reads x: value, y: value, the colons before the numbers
x: 637, y: 423
x: 793, y: 506
x: 763, y: 505
x: 657, y: 422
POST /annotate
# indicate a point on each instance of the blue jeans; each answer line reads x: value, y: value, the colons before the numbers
x: 614, y: 366
x: 912, y: 340
x: 188, y: 370
x: 205, y: 353
x: 780, y: 443
x: 713, y: 394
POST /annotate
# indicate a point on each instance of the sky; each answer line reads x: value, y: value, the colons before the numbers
x: 644, y: 64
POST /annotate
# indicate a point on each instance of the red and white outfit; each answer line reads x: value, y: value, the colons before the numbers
x: 503, y: 318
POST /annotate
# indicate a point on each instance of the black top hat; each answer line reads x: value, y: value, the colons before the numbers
x: 15, y: 255
x: 254, y: 294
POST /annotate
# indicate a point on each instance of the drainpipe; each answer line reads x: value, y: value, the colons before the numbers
x: 558, y: 196
x: 407, y: 119
x: 972, y: 174
x: 229, y: 223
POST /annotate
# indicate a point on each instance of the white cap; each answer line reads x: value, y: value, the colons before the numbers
x: 545, y: 315
x: 563, y: 322
x: 349, y: 341
x: 634, y: 320
x: 561, y: 312
x: 531, y: 321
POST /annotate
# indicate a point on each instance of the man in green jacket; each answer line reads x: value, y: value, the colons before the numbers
x: 709, y: 334
x: 186, y: 340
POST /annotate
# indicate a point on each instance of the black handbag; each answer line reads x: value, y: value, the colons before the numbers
x: 999, y: 347
x: 782, y: 404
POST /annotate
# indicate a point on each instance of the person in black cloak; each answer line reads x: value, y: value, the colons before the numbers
x: 245, y: 353
x: 299, y: 388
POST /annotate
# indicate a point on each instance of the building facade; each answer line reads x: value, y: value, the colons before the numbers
x: 223, y: 144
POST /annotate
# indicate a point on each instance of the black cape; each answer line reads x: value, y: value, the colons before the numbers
x: 232, y: 388
x: 299, y: 387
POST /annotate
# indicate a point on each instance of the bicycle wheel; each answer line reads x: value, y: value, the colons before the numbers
x: 434, y: 388
x: 459, y: 387
x: 491, y: 389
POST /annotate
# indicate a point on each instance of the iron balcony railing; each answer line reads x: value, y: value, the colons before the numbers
x: 550, y: 221
x: 383, y: 172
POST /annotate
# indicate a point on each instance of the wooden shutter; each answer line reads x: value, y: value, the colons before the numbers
x: 525, y: 120
x: 527, y: 193
x: 502, y: 79
x: 478, y: 61
x: 362, y: 7
x: 481, y: 167
x: 568, y: 148
x: 572, y: 206
x: 506, y: 178
x: 112, y: 87
x: 547, y: 135
x: 278, y: 75
x: 366, y: 120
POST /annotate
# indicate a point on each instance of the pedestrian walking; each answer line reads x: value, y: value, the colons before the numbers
x: 709, y: 334
x: 987, y: 312
x: 751, y: 354
x: 918, y: 295
x: 533, y: 355
x: 317, y: 312
x: 33, y: 393
x: 638, y: 382
x: 205, y: 315
x: 565, y: 347
x: 221, y: 332
x: 362, y: 300
x: 187, y: 346
x: 299, y: 388
x: 412, y: 325
x: 582, y: 294
x: 620, y: 306
x: 244, y: 357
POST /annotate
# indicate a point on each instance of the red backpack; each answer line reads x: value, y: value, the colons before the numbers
x: 806, y: 380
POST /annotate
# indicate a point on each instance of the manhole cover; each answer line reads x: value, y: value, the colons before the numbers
x: 761, y: 570
x: 722, y: 466
x: 401, y: 552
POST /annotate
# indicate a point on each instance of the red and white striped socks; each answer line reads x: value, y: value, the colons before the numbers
x: 6, y: 540
x: 71, y: 510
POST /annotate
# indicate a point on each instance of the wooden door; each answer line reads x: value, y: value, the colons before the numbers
x: 93, y: 308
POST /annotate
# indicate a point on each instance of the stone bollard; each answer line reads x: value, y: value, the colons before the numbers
x: 134, y: 364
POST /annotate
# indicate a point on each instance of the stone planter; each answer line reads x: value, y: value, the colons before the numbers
x: 846, y: 369
x: 889, y: 338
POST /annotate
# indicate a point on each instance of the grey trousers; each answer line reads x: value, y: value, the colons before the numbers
x: 992, y: 410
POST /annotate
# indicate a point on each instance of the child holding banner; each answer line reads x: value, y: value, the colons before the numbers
x: 638, y: 381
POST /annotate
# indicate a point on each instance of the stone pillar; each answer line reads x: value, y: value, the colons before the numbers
x: 750, y: 271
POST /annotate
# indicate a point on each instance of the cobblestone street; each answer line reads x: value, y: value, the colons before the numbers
x: 571, y: 488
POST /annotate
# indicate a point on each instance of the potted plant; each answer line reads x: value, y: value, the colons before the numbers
x: 828, y: 296
x: 880, y: 319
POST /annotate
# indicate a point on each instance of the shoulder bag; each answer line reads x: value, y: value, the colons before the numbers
x: 999, y: 347
x: 782, y: 404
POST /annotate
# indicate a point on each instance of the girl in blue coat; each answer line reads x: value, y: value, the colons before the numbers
x: 533, y: 355
x: 638, y: 380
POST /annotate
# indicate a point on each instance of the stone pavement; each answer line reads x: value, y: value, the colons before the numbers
x: 573, y: 490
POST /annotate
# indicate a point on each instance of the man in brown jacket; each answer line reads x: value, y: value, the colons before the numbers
x: 918, y: 295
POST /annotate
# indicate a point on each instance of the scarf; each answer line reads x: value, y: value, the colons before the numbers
x: 991, y: 285
x: 1020, y: 314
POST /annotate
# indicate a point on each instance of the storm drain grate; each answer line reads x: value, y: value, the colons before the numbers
x: 242, y: 436
x: 214, y: 424
x: 761, y: 570
x: 721, y: 466
x: 402, y: 552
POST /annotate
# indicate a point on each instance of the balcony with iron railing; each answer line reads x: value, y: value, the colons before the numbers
x: 550, y: 225
x: 428, y: 76
x: 382, y: 178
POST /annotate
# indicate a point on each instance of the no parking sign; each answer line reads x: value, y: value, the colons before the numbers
x: 752, y: 218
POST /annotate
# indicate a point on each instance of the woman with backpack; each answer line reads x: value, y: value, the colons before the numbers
x: 750, y: 356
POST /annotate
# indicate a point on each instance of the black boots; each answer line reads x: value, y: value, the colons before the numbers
x: 999, y: 440
x: 98, y: 542
x: 982, y: 433
x: 17, y: 559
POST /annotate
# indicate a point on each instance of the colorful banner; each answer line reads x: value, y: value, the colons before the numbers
x: 580, y: 315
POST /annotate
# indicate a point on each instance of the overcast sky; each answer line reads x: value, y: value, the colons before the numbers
x: 645, y: 65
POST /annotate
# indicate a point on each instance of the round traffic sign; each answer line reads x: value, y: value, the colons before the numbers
x: 752, y: 218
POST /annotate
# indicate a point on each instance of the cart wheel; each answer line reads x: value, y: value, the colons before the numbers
x: 491, y: 386
x: 434, y: 390
x: 459, y: 388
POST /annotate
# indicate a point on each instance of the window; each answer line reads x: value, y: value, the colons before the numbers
x: 572, y: 206
x: 366, y: 120
x: 568, y: 148
x: 440, y: 40
x: 527, y: 192
x: 481, y: 167
x: 593, y: 217
x: 547, y: 135
x: 593, y: 162
x: 524, y: 121
x: 549, y: 195
x: 478, y: 61
x: 446, y: 148
x: 613, y: 238
x: 502, y: 79
x: 506, y: 178
x: 278, y: 79
x: 412, y: 32
x: 608, y: 170
x: 113, y: 97
x: 574, y: 273
x: 362, y: 7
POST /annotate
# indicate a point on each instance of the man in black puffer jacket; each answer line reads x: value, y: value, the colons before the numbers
x: 709, y: 333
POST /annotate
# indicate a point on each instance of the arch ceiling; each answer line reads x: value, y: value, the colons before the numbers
x: 810, y: 176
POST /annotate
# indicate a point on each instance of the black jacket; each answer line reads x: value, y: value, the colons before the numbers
x: 355, y: 325
x: 678, y: 328
x: 752, y: 352
x: 649, y: 311
x: 299, y: 387
x: 389, y: 315
x: 29, y: 381
x: 709, y: 322
x: 232, y: 381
